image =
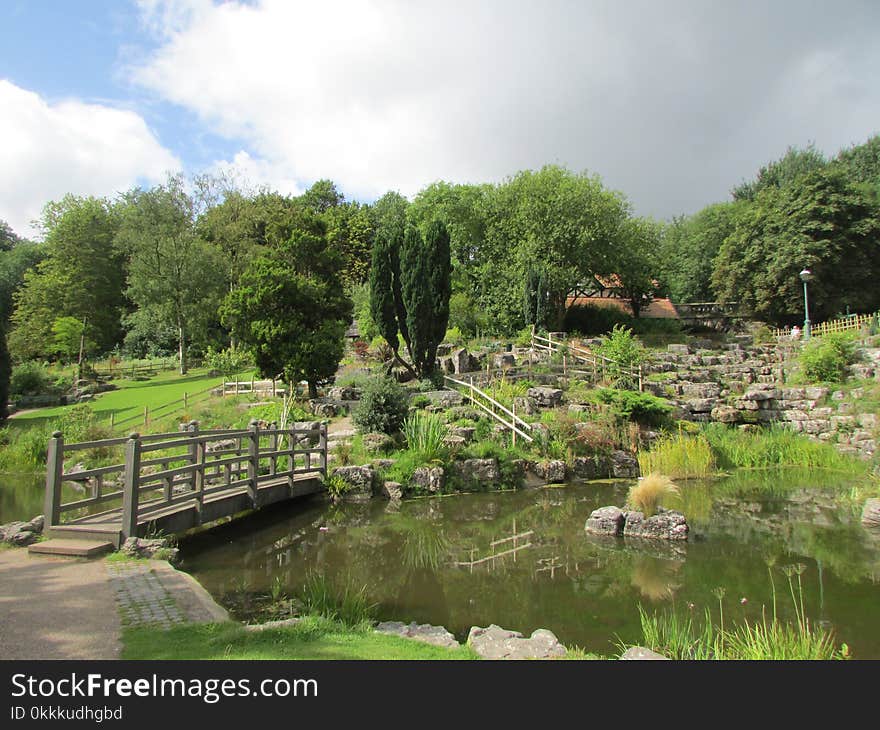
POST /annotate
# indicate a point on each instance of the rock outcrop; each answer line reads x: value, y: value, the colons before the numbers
x: 494, y: 642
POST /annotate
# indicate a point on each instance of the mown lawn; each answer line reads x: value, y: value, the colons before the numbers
x: 132, y: 396
x: 311, y: 638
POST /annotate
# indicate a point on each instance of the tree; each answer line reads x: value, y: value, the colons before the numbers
x: 82, y: 276
x: 793, y: 164
x: 70, y: 338
x: 637, y: 261
x: 322, y: 196
x: 228, y: 362
x: 534, y: 298
x: 290, y: 310
x: 823, y: 222
x: 8, y: 239
x: 862, y: 162
x: 173, y: 273
x: 350, y: 230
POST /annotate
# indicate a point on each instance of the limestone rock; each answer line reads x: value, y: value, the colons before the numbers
x: 22, y: 533
x: 436, y: 635
x: 344, y: 392
x: 495, y: 642
x: 665, y: 525
x: 324, y: 408
x: 141, y: 547
x: 624, y: 465
x: 591, y: 467
x: 606, y: 521
x: 444, y: 398
x: 525, y: 406
x: 504, y: 360
x: 392, y: 490
x: 545, y: 397
x: 428, y: 479
x: 552, y: 471
x: 871, y: 513
x: 726, y: 414
x: 359, y: 480
x: 463, y: 361
x: 465, y: 432
x: 377, y: 442
x: 485, y: 471
x: 640, y: 653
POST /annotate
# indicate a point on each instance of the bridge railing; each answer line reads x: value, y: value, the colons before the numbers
x: 163, y: 470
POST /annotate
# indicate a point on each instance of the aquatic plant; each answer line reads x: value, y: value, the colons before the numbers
x: 650, y: 492
x: 344, y: 604
x: 680, y: 456
x: 424, y: 434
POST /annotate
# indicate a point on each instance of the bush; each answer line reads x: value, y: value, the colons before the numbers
x: 590, y: 320
x: 632, y: 405
x: 29, y: 378
x: 624, y: 354
x: 382, y: 408
x: 827, y: 359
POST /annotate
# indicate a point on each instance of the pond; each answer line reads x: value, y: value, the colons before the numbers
x: 21, y: 496
x: 429, y: 560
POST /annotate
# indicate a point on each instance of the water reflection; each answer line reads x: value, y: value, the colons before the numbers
x: 522, y: 560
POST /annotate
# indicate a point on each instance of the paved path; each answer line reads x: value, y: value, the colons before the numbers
x: 63, y: 608
x: 56, y: 608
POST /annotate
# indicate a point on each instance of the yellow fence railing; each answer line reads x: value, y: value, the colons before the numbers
x: 842, y: 324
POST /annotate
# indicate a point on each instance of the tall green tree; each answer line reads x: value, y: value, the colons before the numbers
x: 290, y: 310
x: 173, y: 273
x: 822, y: 221
x: 780, y: 173
x: 82, y: 276
x: 637, y: 261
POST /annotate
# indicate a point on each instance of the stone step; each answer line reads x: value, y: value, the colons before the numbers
x: 72, y: 548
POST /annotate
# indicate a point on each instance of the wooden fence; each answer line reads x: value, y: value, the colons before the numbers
x: 505, y: 416
x: 848, y: 323
x: 602, y: 367
x: 161, y: 471
x: 271, y: 387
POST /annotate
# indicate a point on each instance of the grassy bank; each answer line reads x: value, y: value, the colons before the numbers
x: 717, y: 448
x: 311, y: 638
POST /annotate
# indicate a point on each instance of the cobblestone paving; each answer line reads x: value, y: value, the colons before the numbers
x: 141, y: 597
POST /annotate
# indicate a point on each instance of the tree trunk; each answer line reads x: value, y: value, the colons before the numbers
x: 181, y: 340
x: 313, y: 389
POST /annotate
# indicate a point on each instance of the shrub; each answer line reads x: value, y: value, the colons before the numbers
x: 632, y: 405
x: 382, y: 408
x: 649, y: 493
x: 827, y: 359
x: 624, y: 353
x: 454, y: 336
x: 29, y: 378
x: 425, y: 433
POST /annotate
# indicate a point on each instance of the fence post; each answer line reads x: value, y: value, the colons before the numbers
x: 253, y: 467
x: 185, y: 408
x: 322, y: 445
x: 273, y: 446
x: 198, y: 458
x: 640, y: 377
x: 513, y: 424
x: 131, y: 485
x: 54, y: 474
x: 146, y: 416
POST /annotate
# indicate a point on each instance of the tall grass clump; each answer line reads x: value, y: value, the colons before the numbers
x: 650, y: 492
x: 345, y: 605
x: 680, y: 456
x: 24, y: 450
x: 773, y: 446
x: 424, y: 434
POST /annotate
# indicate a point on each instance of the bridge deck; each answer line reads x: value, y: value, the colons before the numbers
x: 157, y: 517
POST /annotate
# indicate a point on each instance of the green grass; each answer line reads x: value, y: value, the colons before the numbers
x: 131, y: 397
x: 311, y: 638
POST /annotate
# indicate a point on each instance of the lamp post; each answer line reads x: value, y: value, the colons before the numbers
x: 806, y: 275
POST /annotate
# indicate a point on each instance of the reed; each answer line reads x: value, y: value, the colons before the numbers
x: 680, y: 456
x: 345, y: 605
x: 424, y: 434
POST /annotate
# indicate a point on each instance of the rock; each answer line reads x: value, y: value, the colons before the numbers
x: 726, y: 414
x: 701, y: 390
x: 606, y: 521
x: 22, y: 533
x: 484, y: 471
x: 761, y: 393
x: 454, y: 442
x: 504, y: 360
x: 344, y: 392
x: 377, y: 442
x: 444, y: 398
x: 324, y: 408
x: 545, y: 397
x: 463, y: 361
x: 159, y: 548
x: 815, y: 393
x: 36, y: 524
x: 392, y: 490
x: 678, y: 349
x: 359, y: 480
x: 871, y: 513
x: 436, y: 635
x: 591, y: 467
x: 665, y: 525
x: 525, y: 406
x: 465, y: 432
x: 552, y: 471
x: 640, y: 653
x: 700, y: 405
x: 494, y: 642
x: 624, y: 465
x: 428, y: 479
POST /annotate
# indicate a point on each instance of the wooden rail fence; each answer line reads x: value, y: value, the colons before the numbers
x: 164, y: 473
x: 601, y: 367
x: 505, y: 416
x: 841, y: 324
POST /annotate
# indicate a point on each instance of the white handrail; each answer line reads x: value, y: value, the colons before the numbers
x: 514, y: 419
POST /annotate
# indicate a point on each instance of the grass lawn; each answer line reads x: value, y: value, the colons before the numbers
x: 132, y: 396
x: 312, y: 638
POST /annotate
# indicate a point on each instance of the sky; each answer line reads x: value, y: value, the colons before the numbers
x: 672, y: 103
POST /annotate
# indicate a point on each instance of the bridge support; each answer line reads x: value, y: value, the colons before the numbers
x: 131, y: 486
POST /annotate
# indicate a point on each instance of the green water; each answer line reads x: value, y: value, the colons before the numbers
x: 21, y: 496
x: 585, y: 589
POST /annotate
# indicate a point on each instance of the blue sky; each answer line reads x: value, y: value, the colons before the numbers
x: 673, y: 103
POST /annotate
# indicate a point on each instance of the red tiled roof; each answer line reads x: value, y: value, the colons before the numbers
x: 657, y: 309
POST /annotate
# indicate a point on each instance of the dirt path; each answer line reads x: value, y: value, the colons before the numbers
x: 56, y: 608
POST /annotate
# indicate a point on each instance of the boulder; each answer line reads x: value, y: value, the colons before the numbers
x: 525, y: 406
x: 495, y: 642
x: 436, y: 635
x: 463, y: 361
x: 324, y: 408
x: 444, y: 398
x: 484, y: 471
x: 344, y: 392
x: 465, y: 432
x: 678, y: 349
x: 552, y: 471
x: 726, y: 414
x: 22, y: 533
x: 606, y: 521
x: 701, y: 390
x: 392, y: 490
x: 453, y: 442
x: 591, y: 467
x: 871, y: 513
x: 159, y: 548
x: 359, y: 480
x: 545, y: 397
x: 428, y: 479
x: 624, y: 465
x: 761, y: 393
x: 665, y: 525
x: 377, y: 441
x: 640, y: 653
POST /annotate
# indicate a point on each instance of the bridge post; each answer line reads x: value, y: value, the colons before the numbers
x: 253, y: 462
x: 54, y: 474
x: 322, y: 445
x: 131, y: 485
x: 273, y: 444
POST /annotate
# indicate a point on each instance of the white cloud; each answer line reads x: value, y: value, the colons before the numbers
x: 671, y: 102
x: 50, y: 149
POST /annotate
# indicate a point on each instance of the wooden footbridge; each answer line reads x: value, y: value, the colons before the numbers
x: 171, y: 482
